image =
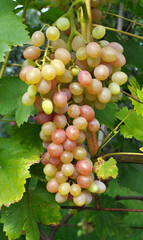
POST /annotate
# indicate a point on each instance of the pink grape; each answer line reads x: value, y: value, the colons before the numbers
x: 60, y: 120
x: 95, y: 87
x: 93, y: 50
x: 67, y: 93
x: 120, y: 60
x: 58, y: 136
x: 94, y: 125
x: 72, y: 132
x: 84, y: 78
x: 52, y: 186
x: 60, y: 99
x: 54, y: 161
x: 55, y: 150
x: 42, y: 117
x: 84, y: 167
x: 32, y: 53
x: 84, y: 181
x: 101, y: 72
x: 87, y: 112
x: 69, y: 145
x: 73, y: 111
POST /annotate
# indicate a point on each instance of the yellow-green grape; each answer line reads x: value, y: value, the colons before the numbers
x: 103, y: 43
x: 99, y: 32
x: 26, y: 100
x: 28, y: 62
x: 78, y: 99
x: 93, y: 62
x: 50, y: 170
x: 81, y: 53
x: 32, y: 90
x: 33, y: 76
x: 47, y: 106
x: 67, y: 77
x: 59, y: 66
x: 119, y: 77
x: 80, y: 200
x: 60, y: 43
x: 101, y: 186
x: 64, y: 188
x: 75, y: 190
x: 52, y: 33
x: 75, y: 71
x: 93, y: 188
x: 48, y: 72
x: 114, y: 88
x: 48, y: 178
x: 63, y: 23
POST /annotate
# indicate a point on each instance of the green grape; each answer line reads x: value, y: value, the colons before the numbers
x: 75, y: 71
x: 26, y: 100
x: 28, y: 62
x: 93, y: 188
x: 52, y: 33
x: 63, y: 23
x: 114, y: 88
x: 99, y: 32
x: 32, y: 90
x: 47, y: 106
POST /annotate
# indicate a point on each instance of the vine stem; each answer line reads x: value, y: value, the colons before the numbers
x: 103, y: 209
x: 7, y: 120
x: 131, y: 157
x: 119, y: 31
x: 129, y: 95
x: 119, y: 16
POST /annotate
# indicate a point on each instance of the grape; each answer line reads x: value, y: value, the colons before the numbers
x: 60, y: 177
x: 48, y: 128
x: 27, y: 63
x: 81, y: 53
x: 120, y: 60
x: 84, y: 78
x: 54, y: 161
x: 72, y: 132
x: 99, y: 32
x: 23, y: 73
x: 44, y: 86
x: 87, y: 112
x: 119, y: 77
x: 59, y: 198
x: 63, y: 55
x: 75, y: 88
x: 75, y: 71
x: 50, y: 170
x: 55, y: 150
x: 66, y: 77
x: 64, y: 188
x: 84, y: 181
x: 80, y: 123
x: 44, y: 137
x: 103, y: 43
x: 108, y: 54
x: 66, y: 157
x: 45, y: 158
x: 93, y: 50
x: 79, y: 200
x: 105, y: 95
x: 99, y: 105
x: 69, y: 145
x: 26, y: 100
x: 52, y: 186
x: 115, y: 69
x: 109, y: 66
x: 63, y: 23
x: 101, y: 72
x: 38, y: 38
x: 82, y: 64
x: 47, y: 106
x: 75, y: 174
x: 88, y: 196
x: 84, y: 167
x: 96, y: 15
x: 54, y: 3
x: 117, y: 97
x: 93, y: 62
x: 90, y: 97
x: 96, y: 3
x: 73, y: 111
x: 38, y: 103
x: 53, y: 83
x: 114, y: 88
x: 42, y: 117
x: 93, y: 188
x: 60, y: 121
x: 33, y: 76
x: 58, y: 136
x: 61, y: 110
x: 93, y: 126
x: 32, y: 90
x: 60, y: 43
x: 67, y: 93
x: 75, y: 190
x: 32, y: 53
x: 79, y: 153
x: 48, y: 178
x: 81, y: 137
x: 101, y: 186
x: 60, y: 99
x: 67, y: 169
x: 52, y: 33
x: 59, y: 66
x: 77, y: 42
x: 48, y: 72
x: 78, y: 98
x: 95, y: 87
x: 118, y: 47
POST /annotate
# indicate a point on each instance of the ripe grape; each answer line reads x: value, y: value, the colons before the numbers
x: 78, y: 98
x: 33, y: 76
x: 69, y: 145
x: 52, y: 33
x: 99, y: 32
x: 23, y: 73
x: 44, y: 137
x: 81, y: 137
x: 45, y: 158
x: 72, y: 132
x: 87, y: 112
x: 75, y: 71
x: 117, y: 46
x: 38, y: 103
x: 32, y: 90
x: 58, y: 136
x: 84, y: 78
x: 44, y: 86
x: 52, y: 186
x: 64, y: 188
x: 59, y: 43
x: 67, y: 77
x: 75, y: 190
x: 84, y: 181
x: 88, y: 196
x: 80, y: 200
x: 73, y: 111
x: 60, y: 177
x: 81, y: 53
x: 67, y: 93
x: 80, y: 123
x: 84, y: 167
x: 60, y: 99
x: 101, y: 186
x: 26, y: 100
x: 48, y: 128
x: 94, y: 125
x: 50, y: 170
x: 47, y: 106
x: 96, y: 15
x: 93, y: 50
x: 119, y: 77
x: 59, y: 66
x: 63, y: 55
x: 66, y: 157
x: 59, y: 198
x: 93, y: 188
x: 108, y: 54
x: 105, y: 95
x: 120, y: 61
x: 77, y: 42
x: 55, y: 150
x: 79, y: 153
x: 93, y: 62
x: 82, y: 64
x: 75, y: 88
x: 37, y: 39
x: 61, y: 110
x: 48, y: 72
x: 42, y: 117
x: 67, y: 169
x: 114, y: 88
x: 54, y: 161
x: 32, y: 53
x: 95, y: 87
x: 60, y: 121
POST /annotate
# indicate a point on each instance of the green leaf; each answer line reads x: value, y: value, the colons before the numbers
x: 11, y: 28
x: 106, y: 169
x: 23, y: 216
x: 2, y: 235
x: 141, y: 149
x: 15, y: 161
x: 132, y: 126
x: 52, y: 15
x: 138, y: 106
x: 107, y: 115
x: 11, y: 91
x: 134, y: 85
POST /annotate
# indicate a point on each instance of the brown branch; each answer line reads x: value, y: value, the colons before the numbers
x: 129, y: 198
x: 125, y: 157
x: 137, y: 227
x: 103, y: 209
x: 43, y: 235
x: 129, y: 95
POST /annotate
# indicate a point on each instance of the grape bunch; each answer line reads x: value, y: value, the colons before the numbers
x: 64, y: 87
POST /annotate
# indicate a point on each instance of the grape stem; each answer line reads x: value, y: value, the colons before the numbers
x: 86, y: 20
x: 129, y: 95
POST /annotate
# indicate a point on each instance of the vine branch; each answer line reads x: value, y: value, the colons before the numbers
x: 129, y: 95
x: 103, y: 209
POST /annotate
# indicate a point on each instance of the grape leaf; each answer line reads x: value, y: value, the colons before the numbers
x: 52, y: 15
x: 15, y: 161
x: 2, y: 235
x: 107, y: 115
x: 11, y: 28
x: 134, y: 85
x: 106, y: 169
x: 133, y: 125
x: 11, y: 91
x: 23, y: 216
x: 138, y: 106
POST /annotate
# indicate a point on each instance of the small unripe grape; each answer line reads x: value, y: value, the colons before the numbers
x: 63, y: 55
x: 52, y: 186
x: 75, y: 71
x: 93, y: 50
x: 33, y: 76
x: 81, y: 53
x: 55, y: 150
x: 78, y: 98
x: 114, y: 88
x: 84, y: 78
x: 59, y: 198
x: 93, y: 62
x: 80, y: 200
x: 26, y: 100
x: 47, y: 106
x: 95, y: 87
x: 32, y: 53
x: 99, y: 32
x: 64, y: 188
x: 63, y: 23
x: 99, y: 105
x: 80, y: 123
x: 94, y: 125
x: 60, y: 43
x: 79, y: 153
x: 59, y: 66
x: 44, y: 86
x: 38, y: 38
x: 67, y: 77
x: 108, y: 54
x: 75, y: 88
x: 27, y: 63
x: 48, y: 128
x: 75, y: 190
x: 60, y: 121
x: 60, y: 99
x: 67, y: 169
x: 52, y: 33
x: 101, y: 72
x: 32, y: 90
x: 73, y: 111
x: 93, y: 188
x: 60, y: 177
x: 50, y: 170
x: 103, y: 43
x: 88, y: 196
x: 87, y: 112
x: 77, y: 42
x: 48, y: 72
x: 119, y: 77
x: 101, y: 186
x: 69, y: 145
x: 105, y: 95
